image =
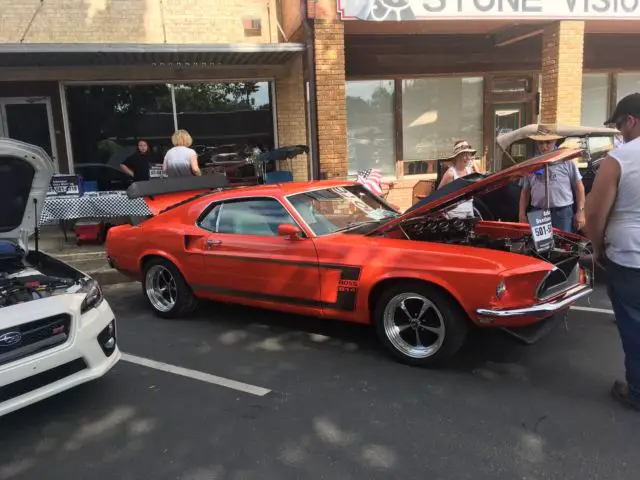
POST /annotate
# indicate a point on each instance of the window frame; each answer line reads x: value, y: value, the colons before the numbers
x: 395, y: 97
x: 400, y: 115
x: 222, y: 203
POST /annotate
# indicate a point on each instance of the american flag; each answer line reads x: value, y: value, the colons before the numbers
x: 371, y: 179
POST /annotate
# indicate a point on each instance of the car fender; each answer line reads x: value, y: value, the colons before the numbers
x: 401, y: 275
x: 162, y: 254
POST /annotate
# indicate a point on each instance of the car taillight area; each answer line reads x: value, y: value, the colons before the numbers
x: 565, y: 276
x: 34, y: 337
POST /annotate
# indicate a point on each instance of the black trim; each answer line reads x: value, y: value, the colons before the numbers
x: 37, y: 336
x: 259, y: 296
x: 162, y: 186
x: 332, y: 266
x: 21, y: 387
x: 347, y: 287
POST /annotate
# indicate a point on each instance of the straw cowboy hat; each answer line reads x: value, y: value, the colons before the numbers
x: 461, y: 146
x: 545, y: 133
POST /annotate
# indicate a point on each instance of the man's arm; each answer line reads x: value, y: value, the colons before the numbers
x: 525, y: 194
x: 580, y: 216
x: 601, y: 199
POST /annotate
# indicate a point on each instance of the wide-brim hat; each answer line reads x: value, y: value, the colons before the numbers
x: 459, y: 147
x: 545, y: 134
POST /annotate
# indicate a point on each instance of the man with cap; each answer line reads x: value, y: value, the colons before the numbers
x: 613, y: 226
x: 565, y: 181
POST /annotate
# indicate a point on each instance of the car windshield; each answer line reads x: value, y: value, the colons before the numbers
x: 594, y: 144
x: 340, y: 209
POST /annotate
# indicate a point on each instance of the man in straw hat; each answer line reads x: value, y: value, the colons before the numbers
x: 462, y: 164
x: 564, y: 181
x: 613, y: 226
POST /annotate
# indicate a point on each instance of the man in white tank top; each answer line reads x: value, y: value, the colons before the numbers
x: 613, y: 226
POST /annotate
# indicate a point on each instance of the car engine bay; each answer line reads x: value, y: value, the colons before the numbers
x: 33, y: 276
x: 464, y: 231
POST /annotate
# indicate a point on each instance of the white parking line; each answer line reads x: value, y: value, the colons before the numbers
x: 196, y: 375
x: 593, y: 310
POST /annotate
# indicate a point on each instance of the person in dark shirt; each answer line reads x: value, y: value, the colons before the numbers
x: 138, y: 164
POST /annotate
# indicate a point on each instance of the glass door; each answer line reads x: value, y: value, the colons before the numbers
x: 29, y: 120
x: 506, y: 118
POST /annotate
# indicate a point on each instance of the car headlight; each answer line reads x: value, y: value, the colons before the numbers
x: 93, y: 296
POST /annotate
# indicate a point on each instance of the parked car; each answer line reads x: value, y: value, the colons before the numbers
x: 57, y: 330
x: 503, y: 204
x: 106, y: 176
x: 334, y: 250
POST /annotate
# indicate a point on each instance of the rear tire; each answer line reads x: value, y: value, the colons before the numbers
x: 419, y: 324
x: 166, y: 290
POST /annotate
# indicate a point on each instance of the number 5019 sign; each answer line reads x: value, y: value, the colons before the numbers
x: 541, y: 229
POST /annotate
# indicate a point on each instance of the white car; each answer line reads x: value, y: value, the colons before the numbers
x: 56, y: 329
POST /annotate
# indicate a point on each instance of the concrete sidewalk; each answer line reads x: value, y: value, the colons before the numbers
x: 88, y: 258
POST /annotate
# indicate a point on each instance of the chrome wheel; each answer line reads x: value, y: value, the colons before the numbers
x: 414, y: 325
x: 161, y: 288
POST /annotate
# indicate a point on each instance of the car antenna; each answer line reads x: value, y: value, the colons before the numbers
x: 36, y: 230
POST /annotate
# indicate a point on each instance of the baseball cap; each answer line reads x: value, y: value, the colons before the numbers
x: 629, y: 105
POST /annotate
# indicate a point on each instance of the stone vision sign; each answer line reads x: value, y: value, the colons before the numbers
x: 399, y: 10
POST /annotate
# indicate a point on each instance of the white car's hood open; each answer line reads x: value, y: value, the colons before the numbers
x: 25, y: 175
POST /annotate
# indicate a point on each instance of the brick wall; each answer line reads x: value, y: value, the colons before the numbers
x: 290, y: 109
x: 136, y: 21
x: 331, y: 103
x: 562, y: 58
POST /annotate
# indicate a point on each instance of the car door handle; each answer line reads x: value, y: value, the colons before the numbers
x: 213, y: 243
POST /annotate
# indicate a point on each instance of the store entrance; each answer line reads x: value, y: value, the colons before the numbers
x: 507, y: 117
x: 29, y: 120
x: 512, y: 102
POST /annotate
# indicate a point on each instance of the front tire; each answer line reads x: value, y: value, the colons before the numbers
x: 166, y: 290
x: 419, y: 324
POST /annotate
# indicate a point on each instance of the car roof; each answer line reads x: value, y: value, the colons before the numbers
x: 288, y: 188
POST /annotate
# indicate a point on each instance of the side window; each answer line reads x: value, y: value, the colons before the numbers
x: 210, y: 220
x: 253, y: 217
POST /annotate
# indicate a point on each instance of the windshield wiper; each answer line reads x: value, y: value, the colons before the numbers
x: 353, y: 225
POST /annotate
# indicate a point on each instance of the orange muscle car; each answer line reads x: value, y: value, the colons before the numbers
x: 332, y: 249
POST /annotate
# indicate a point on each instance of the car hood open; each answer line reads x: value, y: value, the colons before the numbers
x: 25, y: 175
x: 472, y: 185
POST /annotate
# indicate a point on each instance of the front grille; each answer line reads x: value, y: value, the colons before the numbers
x: 40, y: 380
x: 31, y: 338
x: 564, y: 277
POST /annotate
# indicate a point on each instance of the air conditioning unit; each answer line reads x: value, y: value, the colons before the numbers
x: 252, y: 25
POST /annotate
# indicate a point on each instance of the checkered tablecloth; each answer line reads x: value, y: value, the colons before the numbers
x: 102, y: 206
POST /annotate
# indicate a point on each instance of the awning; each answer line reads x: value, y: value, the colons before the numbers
x: 170, y: 55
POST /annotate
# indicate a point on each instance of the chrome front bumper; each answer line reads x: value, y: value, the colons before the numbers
x: 540, y: 310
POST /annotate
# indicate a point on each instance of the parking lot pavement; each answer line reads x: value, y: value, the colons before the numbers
x: 337, y: 406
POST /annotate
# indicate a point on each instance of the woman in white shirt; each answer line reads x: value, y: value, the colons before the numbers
x: 181, y: 161
x: 462, y: 164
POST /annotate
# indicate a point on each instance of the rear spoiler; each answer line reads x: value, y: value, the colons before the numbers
x: 162, y: 193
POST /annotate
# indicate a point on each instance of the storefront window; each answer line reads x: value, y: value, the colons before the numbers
x: 595, y: 99
x: 229, y: 115
x: 106, y: 121
x: 438, y: 111
x: 628, y: 83
x: 370, y: 126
